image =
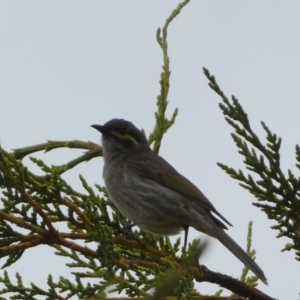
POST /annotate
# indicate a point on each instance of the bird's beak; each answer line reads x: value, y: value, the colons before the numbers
x: 101, y: 129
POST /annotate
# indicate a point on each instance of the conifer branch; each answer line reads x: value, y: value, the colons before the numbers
x: 278, y: 194
x: 232, y: 284
x: 162, y: 122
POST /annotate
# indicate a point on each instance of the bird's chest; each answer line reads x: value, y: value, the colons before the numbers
x: 115, y: 180
x: 120, y: 187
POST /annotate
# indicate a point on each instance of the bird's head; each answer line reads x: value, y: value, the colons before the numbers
x: 119, y: 135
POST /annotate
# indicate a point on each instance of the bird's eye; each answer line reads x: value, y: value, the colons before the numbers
x: 124, y: 137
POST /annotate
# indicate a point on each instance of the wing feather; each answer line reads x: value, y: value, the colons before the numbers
x: 153, y: 167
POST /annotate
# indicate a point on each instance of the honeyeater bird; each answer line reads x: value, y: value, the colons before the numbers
x: 153, y: 195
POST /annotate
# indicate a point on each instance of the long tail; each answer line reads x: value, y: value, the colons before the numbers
x: 235, y: 249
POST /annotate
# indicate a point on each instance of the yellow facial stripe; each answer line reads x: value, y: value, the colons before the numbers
x: 126, y: 136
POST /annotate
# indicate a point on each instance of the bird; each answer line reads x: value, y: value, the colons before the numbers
x: 154, y: 196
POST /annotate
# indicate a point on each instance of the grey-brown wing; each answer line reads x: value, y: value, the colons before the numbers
x: 153, y: 167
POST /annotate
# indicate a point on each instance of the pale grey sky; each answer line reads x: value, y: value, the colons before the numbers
x: 65, y: 65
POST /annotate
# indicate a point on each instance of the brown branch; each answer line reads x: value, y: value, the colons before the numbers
x: 139, y: 244
x: 124, y: 261
x: 50, y: 145
x: 21, y: 246
x: 201, y: 273
x: 90, y: 226
x: 75, y: 247
x: 129, y: 263
x: 35, y: 240
x: 34, y: 205
x: 75, y: 236
x: 21, y: 223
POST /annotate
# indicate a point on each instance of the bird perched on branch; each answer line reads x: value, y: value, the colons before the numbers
x: 153, y: 195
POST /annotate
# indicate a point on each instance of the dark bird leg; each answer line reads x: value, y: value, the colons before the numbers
x: 186, y: 232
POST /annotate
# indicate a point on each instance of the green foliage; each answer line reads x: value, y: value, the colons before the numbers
x: 40, y: 204
x: 162, y: 123
x: 253, y: 280
x: 278, y: 194
x: 35, y: 204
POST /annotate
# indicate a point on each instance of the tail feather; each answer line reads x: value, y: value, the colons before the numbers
x: 235, y: 249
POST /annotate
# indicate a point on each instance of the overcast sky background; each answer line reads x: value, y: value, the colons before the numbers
x: 65, y: 65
